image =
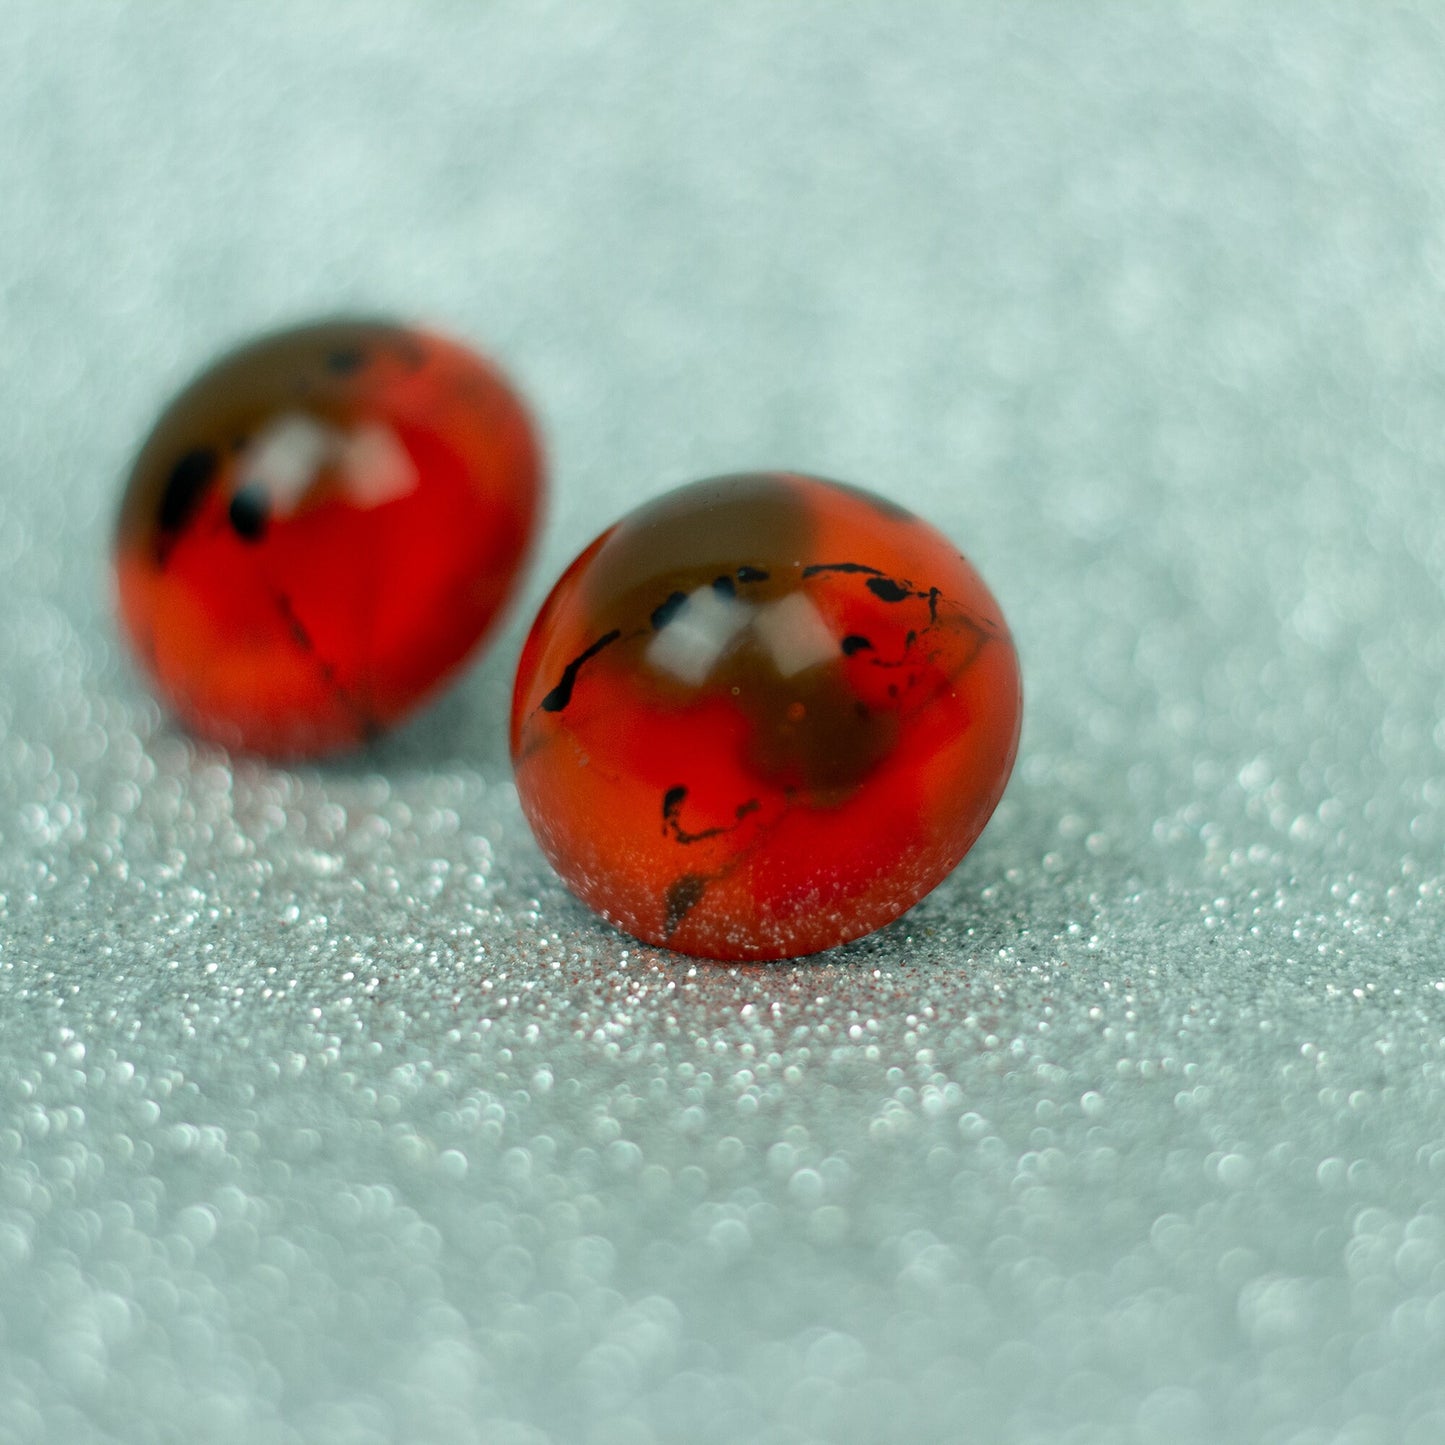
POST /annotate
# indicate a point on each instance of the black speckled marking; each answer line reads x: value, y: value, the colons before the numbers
x: 250, y: 512
x: 887, y: 590
x: 672, y: 801
x: 883, y: 587
x: 299, y: 635
x: 664, y: 612
x: 724, y: 586
x: 370, y: 728
x: 682, y: 897
x: 561, y: 695
x: 186, y: 485
x: 818, y: 568
x: 752, y: 574
x: 856, y: 642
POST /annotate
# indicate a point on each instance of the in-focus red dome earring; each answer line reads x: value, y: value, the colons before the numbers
x: 319, y: 530
x: 763, y: 715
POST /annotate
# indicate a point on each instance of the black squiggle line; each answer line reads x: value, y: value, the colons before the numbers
x: 819, y: 567
x: 672, y: 801
x: 683, y: 895
x: 561, y: 695
x: 365, y: 721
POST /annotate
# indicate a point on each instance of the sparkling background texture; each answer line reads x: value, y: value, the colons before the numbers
x: 327, y: 1116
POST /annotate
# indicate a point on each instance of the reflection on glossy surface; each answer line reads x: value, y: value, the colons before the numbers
x: 763, y: 715
x: 320, y: 529
x: 292, y: 456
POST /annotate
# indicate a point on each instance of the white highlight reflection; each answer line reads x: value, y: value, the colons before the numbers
x: 287, y: 456
x: 376, y: 466
x: 708, y: 623
x: 794, y: 632
x: 702, y: 629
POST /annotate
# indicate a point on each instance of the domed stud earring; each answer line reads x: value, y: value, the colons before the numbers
x: 763, y: 715
x: 320, y: 528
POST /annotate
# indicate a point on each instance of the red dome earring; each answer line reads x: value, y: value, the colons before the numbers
x: 320, y: 528
x: 763, y: 715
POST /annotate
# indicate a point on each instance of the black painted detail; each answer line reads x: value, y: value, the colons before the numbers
x: 818, y: 567
x: 887, y: 590
x: 682, y: 897
x: 672, y: 801
x: 370, y: 727
x: 666, y: 611
x: 250, y: 512
x: 856, y: 642
x: 345, y: 360
x: 561, y: 695
x: 724, y: 586
x: 299, y: 635
x: 186, y: 485
x: 752, y: 574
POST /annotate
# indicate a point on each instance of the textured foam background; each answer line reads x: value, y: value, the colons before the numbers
x: 327, y: 1116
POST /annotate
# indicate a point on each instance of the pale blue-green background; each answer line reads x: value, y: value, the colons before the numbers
x: 327, y: 1116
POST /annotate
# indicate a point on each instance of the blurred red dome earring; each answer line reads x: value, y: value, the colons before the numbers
x: 320, y: 529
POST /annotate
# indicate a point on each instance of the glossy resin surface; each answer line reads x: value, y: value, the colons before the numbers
x: 764, y: 715
x: 320, y: 529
